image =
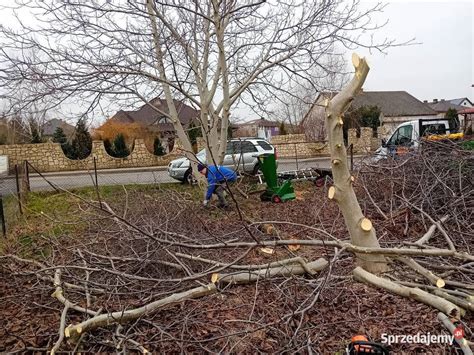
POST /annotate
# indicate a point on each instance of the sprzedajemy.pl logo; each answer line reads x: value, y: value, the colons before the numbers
x: 426, y: 338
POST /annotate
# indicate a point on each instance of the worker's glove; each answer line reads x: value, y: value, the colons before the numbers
x: 205, y: 203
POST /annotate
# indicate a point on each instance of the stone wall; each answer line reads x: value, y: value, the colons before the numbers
x: 292, y: 145
x: 48, y: 157
x: 367, y: 142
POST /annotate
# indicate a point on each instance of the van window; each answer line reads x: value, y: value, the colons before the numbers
x: 433, y: 128
x: 402, y: 136
x: 264, y: 145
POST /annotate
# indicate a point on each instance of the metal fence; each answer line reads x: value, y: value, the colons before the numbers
x: 15, y: 187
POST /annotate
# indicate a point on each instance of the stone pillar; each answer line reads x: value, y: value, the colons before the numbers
x: 366, y: 134
x: 352, y: 139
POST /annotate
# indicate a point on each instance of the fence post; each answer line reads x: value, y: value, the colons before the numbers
x: 18, y: 193
x: 296, y: 156
x: 2, y: 217
x: 27, y: 176
x: 97, y: 182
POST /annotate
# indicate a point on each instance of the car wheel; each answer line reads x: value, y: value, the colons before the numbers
x: 256, y: 169
x: 188, y: 177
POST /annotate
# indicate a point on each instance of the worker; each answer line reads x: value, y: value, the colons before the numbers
x: 217, y: 178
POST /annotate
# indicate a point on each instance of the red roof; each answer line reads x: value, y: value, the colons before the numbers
x: 467, y: 110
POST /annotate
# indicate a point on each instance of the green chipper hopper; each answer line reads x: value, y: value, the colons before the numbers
x: 274, y: 192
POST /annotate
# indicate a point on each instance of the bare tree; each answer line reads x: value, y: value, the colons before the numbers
x: 298, y: 99
x: 211, y: 54
x: 25, y: 126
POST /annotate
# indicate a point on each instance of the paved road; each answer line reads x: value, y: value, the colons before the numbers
x: 71, y: 179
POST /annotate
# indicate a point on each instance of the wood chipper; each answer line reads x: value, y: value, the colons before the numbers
x: 274, y: 192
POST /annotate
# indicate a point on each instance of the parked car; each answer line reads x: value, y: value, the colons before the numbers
x: 241, y: 155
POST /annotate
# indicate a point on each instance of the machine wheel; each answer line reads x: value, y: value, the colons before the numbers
x: 188, y: 177
x: 319, y: 182
x: 276, y: 199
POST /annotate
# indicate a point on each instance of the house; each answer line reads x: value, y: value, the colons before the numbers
x: 463, y: 101
x: 460, y: 105
x: 396, y: 107
x: 157, y: 122
x: 261, y: 128
x: 442, y: 106
x: 50, y: 126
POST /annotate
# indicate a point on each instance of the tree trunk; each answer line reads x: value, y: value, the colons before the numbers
x: 360, y: 228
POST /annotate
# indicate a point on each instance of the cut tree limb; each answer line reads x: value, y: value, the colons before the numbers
x: 408, y: 292
x: 450, y: 326
x: 427, y: 236
x: 456, y: 300
x: 74, y: 331
x: 360, y: 228
x: 434, y: 279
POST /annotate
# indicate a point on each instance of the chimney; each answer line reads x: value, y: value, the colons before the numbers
x: 435, y: 100
x: 425, y: 101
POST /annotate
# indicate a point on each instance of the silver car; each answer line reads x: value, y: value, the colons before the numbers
x: 241, y: 155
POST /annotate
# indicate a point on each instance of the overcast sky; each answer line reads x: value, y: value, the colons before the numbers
x: 442, y: 66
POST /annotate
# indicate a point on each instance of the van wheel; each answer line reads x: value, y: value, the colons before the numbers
x: 188, y: 177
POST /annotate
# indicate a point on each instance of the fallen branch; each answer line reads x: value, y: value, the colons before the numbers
x: 434, y: 279
x: 427, y: 236
x: 432, y: 288
x: 408, y: 292
x: 74, y: 331
x: 450, y: 326
x: 62, y: 325
x: 58, y: 294
x: 456, y: 300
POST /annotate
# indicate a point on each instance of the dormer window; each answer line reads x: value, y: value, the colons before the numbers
x: 164, y: 119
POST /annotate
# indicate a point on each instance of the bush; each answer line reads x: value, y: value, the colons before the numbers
x: 158, y: 147
x: 108, y: 147
x: 60, y: 137
x: 82, y: 141
x: 120, y: 149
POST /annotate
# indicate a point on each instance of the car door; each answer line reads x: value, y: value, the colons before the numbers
x: 248, y: 158
x: 230, y: 157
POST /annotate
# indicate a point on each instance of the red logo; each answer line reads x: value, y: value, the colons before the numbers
x: 458, y: 332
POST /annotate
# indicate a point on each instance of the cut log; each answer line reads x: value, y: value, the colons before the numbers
x: 450, y: 326
x: 414, y: 293
x: 434, y: 279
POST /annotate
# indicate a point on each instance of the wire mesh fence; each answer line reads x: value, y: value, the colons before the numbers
x: 25, y: 178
